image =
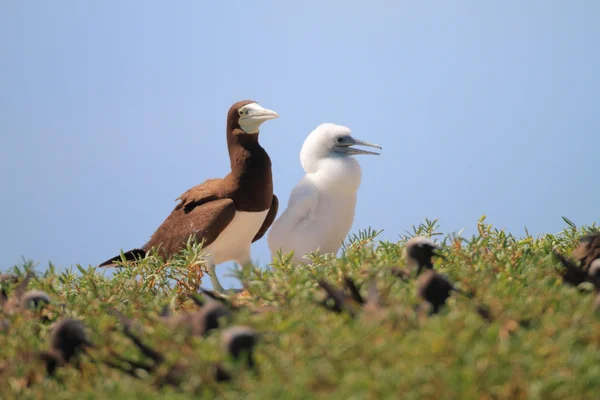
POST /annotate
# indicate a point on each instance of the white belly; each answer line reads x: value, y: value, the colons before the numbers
x: 325, y: 229
x: 330, y: 225
x: 234, y: 242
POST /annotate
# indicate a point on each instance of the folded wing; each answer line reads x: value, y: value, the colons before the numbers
x: 301, y: 208
x: 202, y: 211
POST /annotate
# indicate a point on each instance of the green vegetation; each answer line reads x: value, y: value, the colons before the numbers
x: 543, y: 342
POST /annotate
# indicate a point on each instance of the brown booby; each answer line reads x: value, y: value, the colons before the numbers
x: 352, y: 301
x: 588, y: 250
x: 239, y: 342
x: 229, y: 213
x: 586, y: 267
x: 435, y: 289
x: 420, y: 251
x: 67, y: 340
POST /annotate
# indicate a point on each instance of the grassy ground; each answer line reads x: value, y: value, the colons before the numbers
x: 543, y: 342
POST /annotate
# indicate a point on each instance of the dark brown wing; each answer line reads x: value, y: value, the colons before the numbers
x: 268, y: 220
x: 200, y: 194
x: 130, y: 255
x: 203, y: 210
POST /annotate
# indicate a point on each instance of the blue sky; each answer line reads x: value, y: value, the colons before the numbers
x: 110, y: 110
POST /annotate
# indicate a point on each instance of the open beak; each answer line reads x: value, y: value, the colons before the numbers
x: 346, y: 147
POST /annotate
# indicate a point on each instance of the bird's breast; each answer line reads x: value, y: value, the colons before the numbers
x: 330, y: 224
x: 233, y: 243
x: 338, y: 176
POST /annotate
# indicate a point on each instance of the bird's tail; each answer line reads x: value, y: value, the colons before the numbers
x: 131, y: 255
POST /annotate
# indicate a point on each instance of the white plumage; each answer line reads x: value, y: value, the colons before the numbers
x: 320, y: 210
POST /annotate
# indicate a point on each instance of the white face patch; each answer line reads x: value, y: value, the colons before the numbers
x: 421, y: 240
x: 251, y: 117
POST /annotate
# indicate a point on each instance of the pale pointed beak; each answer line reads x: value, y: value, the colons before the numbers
x: 346, y: 148
x: 258, y: 113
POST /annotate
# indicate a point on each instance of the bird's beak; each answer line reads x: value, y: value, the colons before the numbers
x: 258, y: 113
x: 346, y: 148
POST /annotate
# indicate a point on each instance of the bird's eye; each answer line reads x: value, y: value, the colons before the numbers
x: 241, y: 112
x: 340, y: 139
x: 247, y: 111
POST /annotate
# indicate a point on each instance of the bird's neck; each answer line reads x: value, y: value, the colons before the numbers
x: 250, y: 170
x: 243, y: 149
x: 342, y: 174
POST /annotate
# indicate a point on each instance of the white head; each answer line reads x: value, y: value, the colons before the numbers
x: 252, y: 115
x: 330, y: 141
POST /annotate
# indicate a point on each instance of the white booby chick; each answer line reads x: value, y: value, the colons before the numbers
x: 320, y: 209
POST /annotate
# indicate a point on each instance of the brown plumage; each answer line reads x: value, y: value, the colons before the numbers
x: 402, y: 273
x: 588, y: 250
x: 575, y: 275
x: 207, y: 209
x: 420, y: 251
x: 350, y: 300
x: 67, y: 340
x: 4, y: 279
x: 239, y: 341
x: 22, y: 299
x: 198, y: 323
x: 34, y: 299
x: 434, y: 288
x: 340, y: 301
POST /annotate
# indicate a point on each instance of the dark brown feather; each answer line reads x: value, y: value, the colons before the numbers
x: 206, y: 221
x: 576, y: 275
x: 340, y: 301
x: 572, y: 274
x: 268, y: 220
x: 434, y: 288
x: 131, y: 255
x: 354, y: 292
x: 13, y: 303
x: 588, y: 250
x: 206, y: 209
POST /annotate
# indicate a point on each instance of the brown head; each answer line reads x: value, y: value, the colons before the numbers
x: 244, y: 120
x: 211, y: 316
x: 34, y: 299
x: 68, y: 337
x: 420, y: 251
x: 239, y: 341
